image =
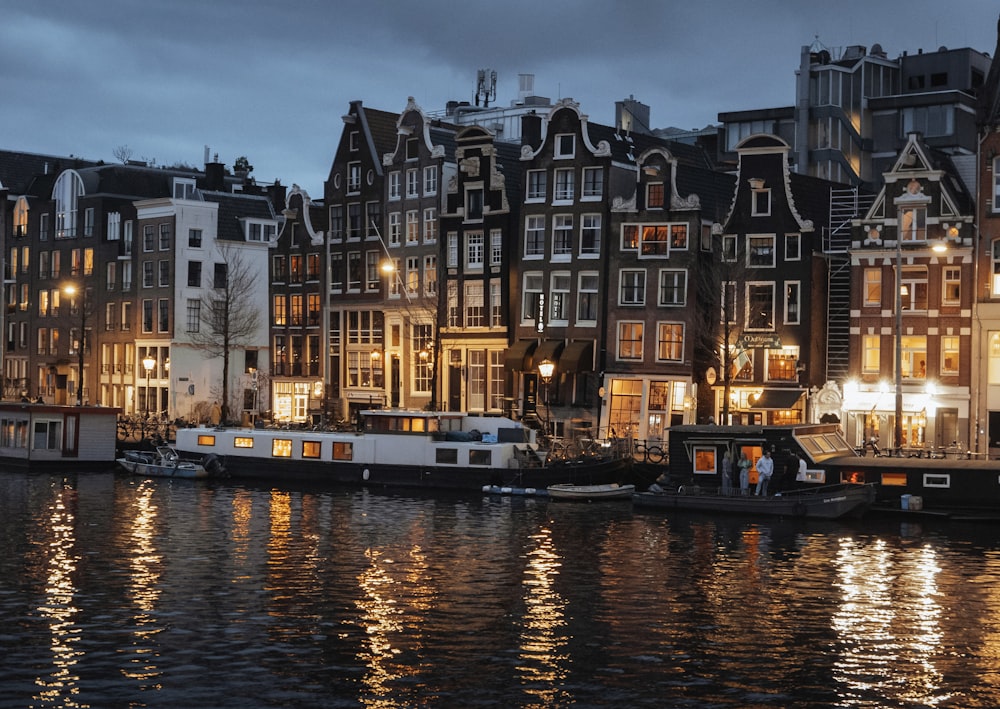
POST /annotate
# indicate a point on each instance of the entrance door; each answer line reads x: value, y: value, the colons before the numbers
x: 394, y: 382
x: 454, y: 388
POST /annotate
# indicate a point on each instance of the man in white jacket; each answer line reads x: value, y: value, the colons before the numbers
x: 765, y: 469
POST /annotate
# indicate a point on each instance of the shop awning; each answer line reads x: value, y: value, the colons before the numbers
x: 548, y: 349
x: 516, y: 357
x: 577, y: 357
x: 777, y: 399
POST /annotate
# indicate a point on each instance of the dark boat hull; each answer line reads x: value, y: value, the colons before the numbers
x: 470, y: 479
x: 832, y: 502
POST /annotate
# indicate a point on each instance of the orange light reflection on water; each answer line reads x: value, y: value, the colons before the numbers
x: 543, y: 658
x: 61, y: 686
x: 145, y: 562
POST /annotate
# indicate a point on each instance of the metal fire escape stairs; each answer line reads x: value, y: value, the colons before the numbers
x: 845, y: 204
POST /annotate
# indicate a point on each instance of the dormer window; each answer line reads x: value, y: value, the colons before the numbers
x: 260, y: 231
x: 184, y: 188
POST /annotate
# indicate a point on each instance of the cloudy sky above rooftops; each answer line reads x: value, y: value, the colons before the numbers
x: 271, y: 80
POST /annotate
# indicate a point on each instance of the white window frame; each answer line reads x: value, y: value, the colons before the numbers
x: 750, y: 286
x: 564, y: 146
x: 590, y: 224
x: 592, y: 184
x: 660, y: 327
x: 564, y: 179
x: 430, y: 180
x: 535, y: 236
x: 536, y: 186
x: 680, y: 287
x: 758, y: 247
x: 793, y: 287
x: 793, y: 247
x: 638, y: 287
x: 641, y: 340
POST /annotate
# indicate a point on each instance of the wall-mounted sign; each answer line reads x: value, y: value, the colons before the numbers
x: 760, y: 340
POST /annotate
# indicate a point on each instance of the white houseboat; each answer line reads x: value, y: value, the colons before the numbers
x: 398, y: 448
x: 37, y: 435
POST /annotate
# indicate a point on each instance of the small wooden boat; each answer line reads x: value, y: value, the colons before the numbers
x: 166, y: 463
x: 591, y: 493
x: 826, y: 502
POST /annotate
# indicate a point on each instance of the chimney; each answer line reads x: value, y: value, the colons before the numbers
x: 215, y: 176
x: 531, y: 130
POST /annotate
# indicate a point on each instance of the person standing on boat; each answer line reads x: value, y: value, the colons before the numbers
x: 727, y: 473
x: 765, y: 469
x: 744, y: 466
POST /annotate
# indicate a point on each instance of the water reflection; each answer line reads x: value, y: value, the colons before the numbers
x: 167, y: 593
x: 145, y: 572
x: 542, y: 637
x: 887, y: 624
x: 60, y: 687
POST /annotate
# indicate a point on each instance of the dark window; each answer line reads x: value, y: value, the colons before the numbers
x: 220, y: 276
x: 194, y: 273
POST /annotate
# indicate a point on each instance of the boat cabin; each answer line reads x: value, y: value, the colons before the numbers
x: 697, y: 451
x: 37, y: 435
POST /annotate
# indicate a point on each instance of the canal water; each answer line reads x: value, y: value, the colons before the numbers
x: 121, y: 592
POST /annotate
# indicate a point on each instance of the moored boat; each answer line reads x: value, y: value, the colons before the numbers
x: 591, y: 493
x: 403, y: 448
x: 165, y: 462
x: 825, y: 502
x: 945, y: 486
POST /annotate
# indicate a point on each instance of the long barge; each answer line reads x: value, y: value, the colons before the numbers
x: 404, y: 448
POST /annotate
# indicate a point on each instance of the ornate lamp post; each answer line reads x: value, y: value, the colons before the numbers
x: 148, y: 363
x: 546, y: 368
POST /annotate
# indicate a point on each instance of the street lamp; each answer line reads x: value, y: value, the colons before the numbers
x: 898, y: 428
x: 546, y: 368
x: 148, y: 363
x: 73, y: 292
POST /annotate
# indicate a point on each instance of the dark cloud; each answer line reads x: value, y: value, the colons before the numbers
x: 271, y: 80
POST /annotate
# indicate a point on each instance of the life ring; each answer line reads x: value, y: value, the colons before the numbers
x: 365, y: 474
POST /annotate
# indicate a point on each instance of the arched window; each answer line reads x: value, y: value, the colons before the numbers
x: 68, y: 189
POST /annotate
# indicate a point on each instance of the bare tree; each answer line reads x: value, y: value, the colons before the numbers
x: 123, y: 154
x: 230, y: 316
x: 722, y: 288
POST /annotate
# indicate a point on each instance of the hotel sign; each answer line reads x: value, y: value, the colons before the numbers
x: 762, y: 340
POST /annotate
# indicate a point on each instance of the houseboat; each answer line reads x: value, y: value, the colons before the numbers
x: 38, y: 436
x: 946, y: 485
x: 400, y: 448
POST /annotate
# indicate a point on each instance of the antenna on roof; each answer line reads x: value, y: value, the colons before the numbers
x: 486, y: 86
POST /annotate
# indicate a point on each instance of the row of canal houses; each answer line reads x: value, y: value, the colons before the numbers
x: 444, y: 263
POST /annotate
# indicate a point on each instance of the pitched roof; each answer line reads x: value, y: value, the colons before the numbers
x: 236, y: 206
x: 18, y: 169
